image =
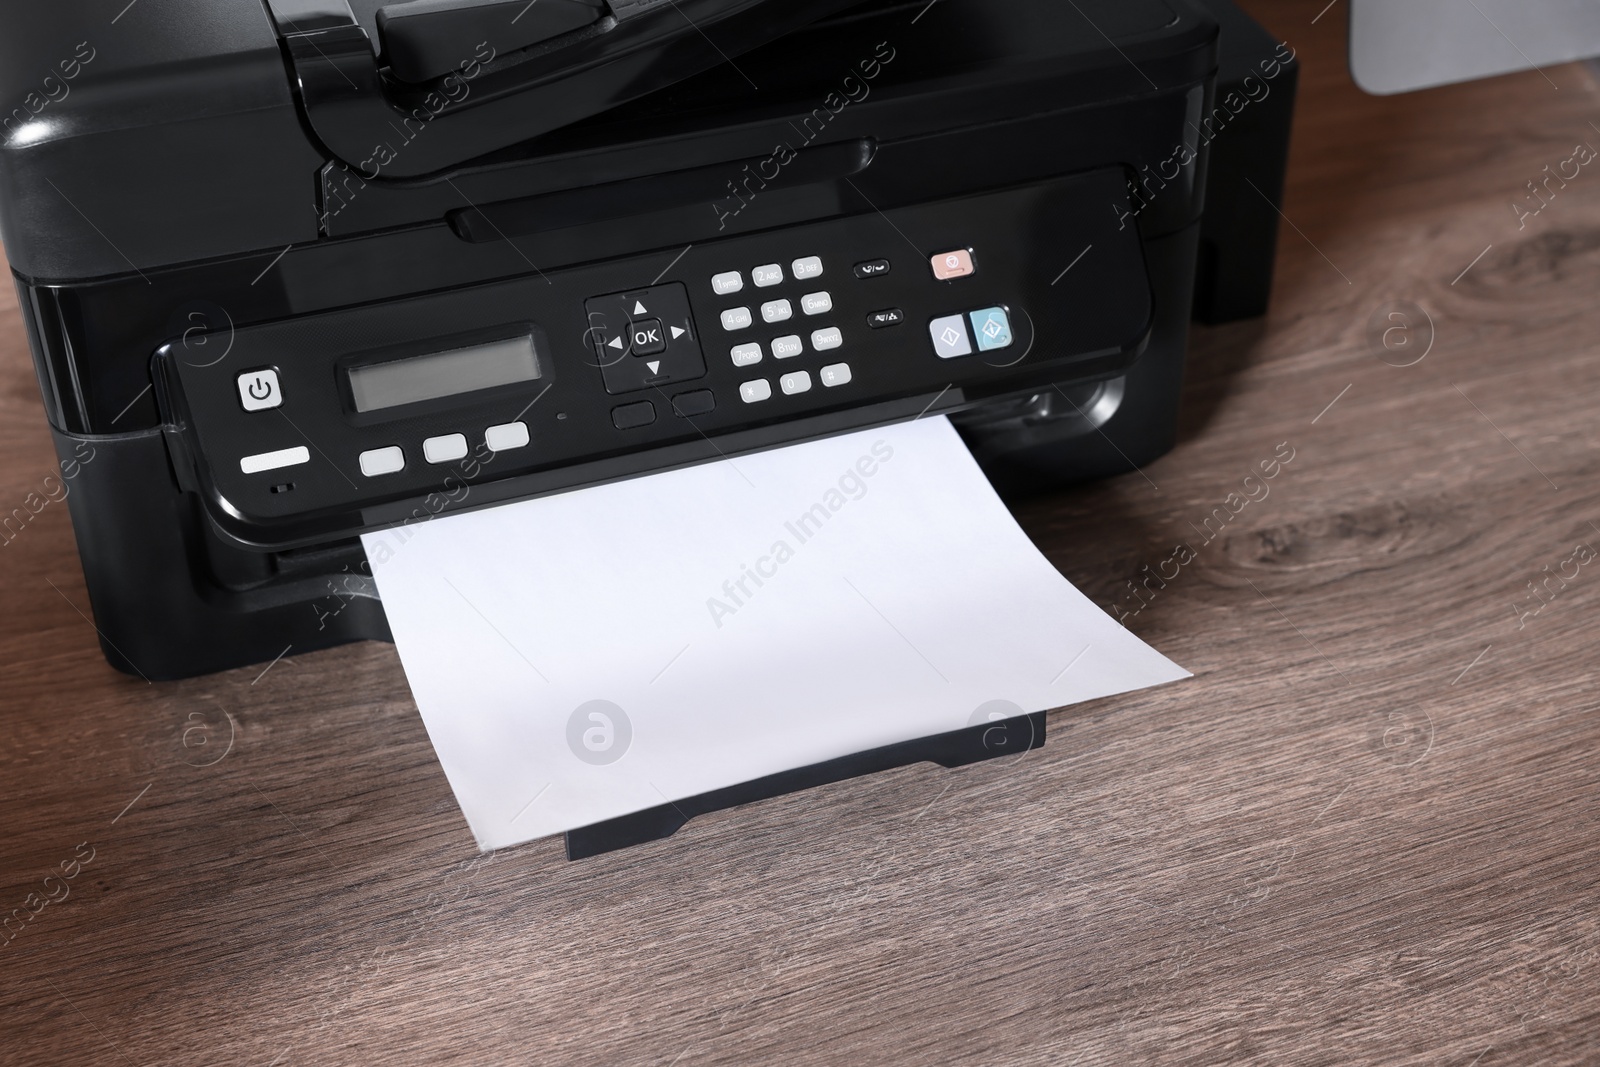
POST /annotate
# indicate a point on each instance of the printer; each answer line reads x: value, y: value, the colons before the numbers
x: 294, y: 270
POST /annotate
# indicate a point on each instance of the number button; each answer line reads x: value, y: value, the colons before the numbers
x: 807, y: 268
x: 827, y: 340
x: 787, y: 347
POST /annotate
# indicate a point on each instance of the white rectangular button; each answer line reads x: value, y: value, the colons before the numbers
x: 787, y: 347
x: 746, y: 355
x: 768, y: 276
x: 736, y: 319
x: 756, y: 391
x: 777, y: 311
x: 807, y: 268
x: 798, y: 382
x: 727, y: 284
x: 835, y: 374
x: 506, y: 436
x: 271, y: 461
x: 816, y: 303
x: 259, y: 390
x: 378, y: 461
x: 828, y: 339
x: 446, y: 449
x: 950, y: 337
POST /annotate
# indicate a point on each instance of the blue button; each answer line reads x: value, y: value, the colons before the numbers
x: 993, y: 329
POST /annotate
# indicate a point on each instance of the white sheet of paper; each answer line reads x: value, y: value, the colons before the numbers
x: 732, y: 620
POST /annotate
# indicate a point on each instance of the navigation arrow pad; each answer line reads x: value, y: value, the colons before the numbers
x: 645, y: 338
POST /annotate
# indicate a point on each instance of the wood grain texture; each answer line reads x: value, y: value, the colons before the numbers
x: 1365, y: 832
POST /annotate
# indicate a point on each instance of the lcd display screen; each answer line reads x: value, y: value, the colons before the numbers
x: 441, y: 374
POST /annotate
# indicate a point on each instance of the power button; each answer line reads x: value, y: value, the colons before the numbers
x: 258, y: 390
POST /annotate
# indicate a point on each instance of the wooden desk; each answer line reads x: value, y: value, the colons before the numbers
x: 1365, y: 833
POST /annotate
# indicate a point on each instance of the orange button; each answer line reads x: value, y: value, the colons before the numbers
x: 947, y: 265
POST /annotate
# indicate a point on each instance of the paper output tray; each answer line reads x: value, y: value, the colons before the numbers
x: 958, y: 748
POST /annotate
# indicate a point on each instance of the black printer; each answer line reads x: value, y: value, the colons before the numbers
x: 297, y: 269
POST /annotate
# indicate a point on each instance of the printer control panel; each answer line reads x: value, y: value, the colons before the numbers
x: 348, y: 419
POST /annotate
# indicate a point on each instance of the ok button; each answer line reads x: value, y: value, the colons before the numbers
x: 647, y: 337
x: 259, y: 390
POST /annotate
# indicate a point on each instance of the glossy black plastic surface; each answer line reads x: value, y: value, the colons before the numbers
x: 959, y: 748
x: 365, y: 194
x: 880, y: 119
x: 426, y: 39
x: 490, y: 99
x: 1084, y: 324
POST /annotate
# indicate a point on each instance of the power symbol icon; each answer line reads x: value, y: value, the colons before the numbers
x: 259, y: 390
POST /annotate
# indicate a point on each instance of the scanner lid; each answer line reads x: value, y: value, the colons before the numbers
x: 458, y: 79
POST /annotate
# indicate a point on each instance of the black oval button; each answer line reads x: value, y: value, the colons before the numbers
x: 887, y: 317
x: 632, y: 416
x: 699, y: 402
x: 872, y: 268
